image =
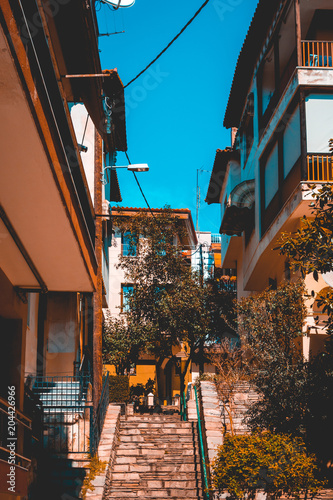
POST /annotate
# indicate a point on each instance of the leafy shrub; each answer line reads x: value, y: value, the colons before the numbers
x: 138, y: 390
x: 275, y: 463
x: 119, y: 388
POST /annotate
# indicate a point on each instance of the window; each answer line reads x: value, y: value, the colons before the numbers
x: 291, y: 142
x: 248, y: 128
x: 268, y: 80
x: 271, y: 174
x: 126, y: 293
x: 128, y: 244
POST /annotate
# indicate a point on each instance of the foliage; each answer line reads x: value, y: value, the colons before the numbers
x: 275, y: 463
x: 310, y: 248
x: 271, y: 328
x: 320, y: 408
x: 122, y: 342
x: 138, y: 390
x: 169, y: 304
x: 96, y: 467
x: 119, y: 388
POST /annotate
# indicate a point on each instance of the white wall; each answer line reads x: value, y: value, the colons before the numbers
x: 204, y: 239
x: 319, y: 122
x: 116, y: 276
x: 79, y: 118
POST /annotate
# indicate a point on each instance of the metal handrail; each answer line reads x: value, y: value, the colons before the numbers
x: 183, y: 407
x: 203, y: 460
x: 96, y: 423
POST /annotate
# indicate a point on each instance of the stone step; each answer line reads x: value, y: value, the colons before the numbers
x: 168, y: 493
x: 191, y: 470
x: 162, y: 445
x: 157, y: 483
x: 125, y: 436
x: 119, y: 495
x: 148, y: 459
x: 129, y: 422
x: 157, y: 457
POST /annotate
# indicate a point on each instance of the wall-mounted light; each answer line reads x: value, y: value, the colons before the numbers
x: 137, y: 167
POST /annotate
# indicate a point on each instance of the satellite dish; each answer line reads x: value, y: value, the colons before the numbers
x: 119, y: 3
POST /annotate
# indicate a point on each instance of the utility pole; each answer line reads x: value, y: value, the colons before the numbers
x: 198, y: 198
x: 198, y: 202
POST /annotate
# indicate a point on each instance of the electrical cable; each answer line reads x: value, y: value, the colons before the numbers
x: 141, y: 190
x: 169, y: 45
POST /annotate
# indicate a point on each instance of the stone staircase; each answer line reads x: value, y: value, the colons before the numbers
x: 157, y: 456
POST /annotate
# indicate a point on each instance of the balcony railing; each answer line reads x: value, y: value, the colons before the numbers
x: 320, y: 167
x: 317, y: 54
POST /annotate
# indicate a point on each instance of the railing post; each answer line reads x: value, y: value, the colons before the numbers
x: 201, y: 445
x: 92, y: 432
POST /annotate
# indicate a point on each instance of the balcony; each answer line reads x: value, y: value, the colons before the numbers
x: 319, y: 167
x: 317, y: 54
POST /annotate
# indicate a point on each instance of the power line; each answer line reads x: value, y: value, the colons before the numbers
x: 169, y: 44
x: 138, y: 183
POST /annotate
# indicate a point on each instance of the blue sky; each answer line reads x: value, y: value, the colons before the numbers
x: 174, y: 112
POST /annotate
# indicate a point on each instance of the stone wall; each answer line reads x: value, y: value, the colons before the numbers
x: 106, y: 451
x: 211, y: 412
x: 244, y: 396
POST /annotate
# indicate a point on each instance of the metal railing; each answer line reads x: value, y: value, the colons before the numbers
x: 183, y: 407
x: 319, y: 167
x: 67, y: 412
x: 97, y: 422
x: 317, y: 54
x: 202, y: 451
x: 67, y: 429
x: 216, y: 238
x: 21, y: 430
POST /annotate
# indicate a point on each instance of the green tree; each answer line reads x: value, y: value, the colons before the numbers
x: 310, y: 248
x: 168, y: 305
x: 270, y: 324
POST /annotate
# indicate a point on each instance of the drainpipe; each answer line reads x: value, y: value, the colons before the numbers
x: 98, y: 295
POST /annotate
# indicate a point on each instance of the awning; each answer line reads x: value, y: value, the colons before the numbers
x: 239, y: 211
x: 222, y: 158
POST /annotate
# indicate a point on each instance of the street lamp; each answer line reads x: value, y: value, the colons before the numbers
x: 137, y: 167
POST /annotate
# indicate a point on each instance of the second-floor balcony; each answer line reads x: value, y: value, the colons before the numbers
x: 319, y: 167
x: 317, y: 54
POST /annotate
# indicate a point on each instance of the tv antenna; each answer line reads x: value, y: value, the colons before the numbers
x: 199, y: 170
